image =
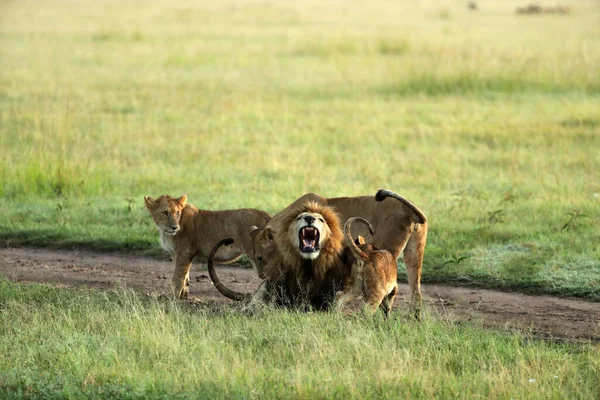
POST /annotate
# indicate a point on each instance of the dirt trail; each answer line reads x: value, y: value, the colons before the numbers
x: 543, y: 316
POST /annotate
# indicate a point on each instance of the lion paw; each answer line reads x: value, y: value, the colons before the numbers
x: 183, y: 293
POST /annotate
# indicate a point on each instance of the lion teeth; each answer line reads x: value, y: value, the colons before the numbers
x: 308, y: 232
x: 308, y: 243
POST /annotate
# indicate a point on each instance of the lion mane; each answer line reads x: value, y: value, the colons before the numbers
x: 330, y: 252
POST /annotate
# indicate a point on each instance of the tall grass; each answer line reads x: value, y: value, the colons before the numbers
x: 489, y: 121
x: 63, y: 343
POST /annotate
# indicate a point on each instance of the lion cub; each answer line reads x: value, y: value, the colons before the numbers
x: 374, y: 274
x: 187, y: 232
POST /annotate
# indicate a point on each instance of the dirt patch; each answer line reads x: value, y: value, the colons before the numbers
x: 541, y: 316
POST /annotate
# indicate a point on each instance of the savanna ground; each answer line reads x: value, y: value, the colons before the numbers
x: 488, y: 120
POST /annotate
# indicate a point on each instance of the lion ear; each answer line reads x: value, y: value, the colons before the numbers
x: 360, y: 240
x: 253, y: 231
x: 182, y: 201
x: 269, y: 232
x: 150, y: 202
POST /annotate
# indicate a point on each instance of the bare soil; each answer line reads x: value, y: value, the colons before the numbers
x: 546, y: 317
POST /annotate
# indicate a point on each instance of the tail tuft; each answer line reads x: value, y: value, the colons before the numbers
x: 381, y: 194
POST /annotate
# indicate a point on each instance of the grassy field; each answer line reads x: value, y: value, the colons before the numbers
x: 488, y: 120
x: 114, y: 345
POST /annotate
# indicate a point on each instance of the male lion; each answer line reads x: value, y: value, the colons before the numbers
x: 374, y: 274
x: 187, y: 232
x: 309, y: 266
x: 399, y: 226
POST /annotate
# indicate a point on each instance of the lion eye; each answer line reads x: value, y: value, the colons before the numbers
x: 299, y: 218
x: 177, y: 213
x: 321, y: 219
x: 165, y: 213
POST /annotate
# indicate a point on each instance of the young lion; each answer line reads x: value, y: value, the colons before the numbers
x: 187, y: 232
x: 374, y: 274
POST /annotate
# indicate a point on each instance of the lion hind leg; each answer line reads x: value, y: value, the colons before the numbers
x: 413, y: 258
x: 388, y: 302
x: 372, y: 302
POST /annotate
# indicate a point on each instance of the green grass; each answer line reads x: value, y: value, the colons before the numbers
x: 59, y: 343
x: 488, y: 120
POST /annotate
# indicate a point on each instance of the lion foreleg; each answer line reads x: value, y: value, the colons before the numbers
x: 181, y: 276
x: 341, y: 298
x: 259, y: 298
x: 230, y: 261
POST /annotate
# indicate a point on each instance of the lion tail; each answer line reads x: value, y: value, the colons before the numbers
x: 382, y: 194
x: 358, y: 253
x: 225, y: 291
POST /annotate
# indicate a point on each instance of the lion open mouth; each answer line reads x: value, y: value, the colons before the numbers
x: 309, y: 239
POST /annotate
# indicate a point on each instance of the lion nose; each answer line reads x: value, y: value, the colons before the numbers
x: 309, y: 219
x: 173, y: 227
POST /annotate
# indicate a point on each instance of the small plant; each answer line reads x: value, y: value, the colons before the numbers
x: 495, y: 217
x: 463, y: 196
x: 573, y: 222
x: 130, y: 203
x: 455, y: 259
x: 60, y: 211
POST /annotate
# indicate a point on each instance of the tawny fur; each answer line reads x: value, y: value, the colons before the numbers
x: 187, y: 232
x: 374, y: 274
x: 399, y: 227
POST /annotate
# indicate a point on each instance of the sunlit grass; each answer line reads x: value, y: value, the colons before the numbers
x: 63, y: 343
x: 489, y: 121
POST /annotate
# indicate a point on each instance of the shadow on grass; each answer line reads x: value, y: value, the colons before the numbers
x: 48, y: 239
x: 51, y: 239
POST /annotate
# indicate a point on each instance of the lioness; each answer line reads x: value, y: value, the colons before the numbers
x: 374, y: 274
x: 309, y: 266
x: 399, y: 226
x: 187, y: 232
